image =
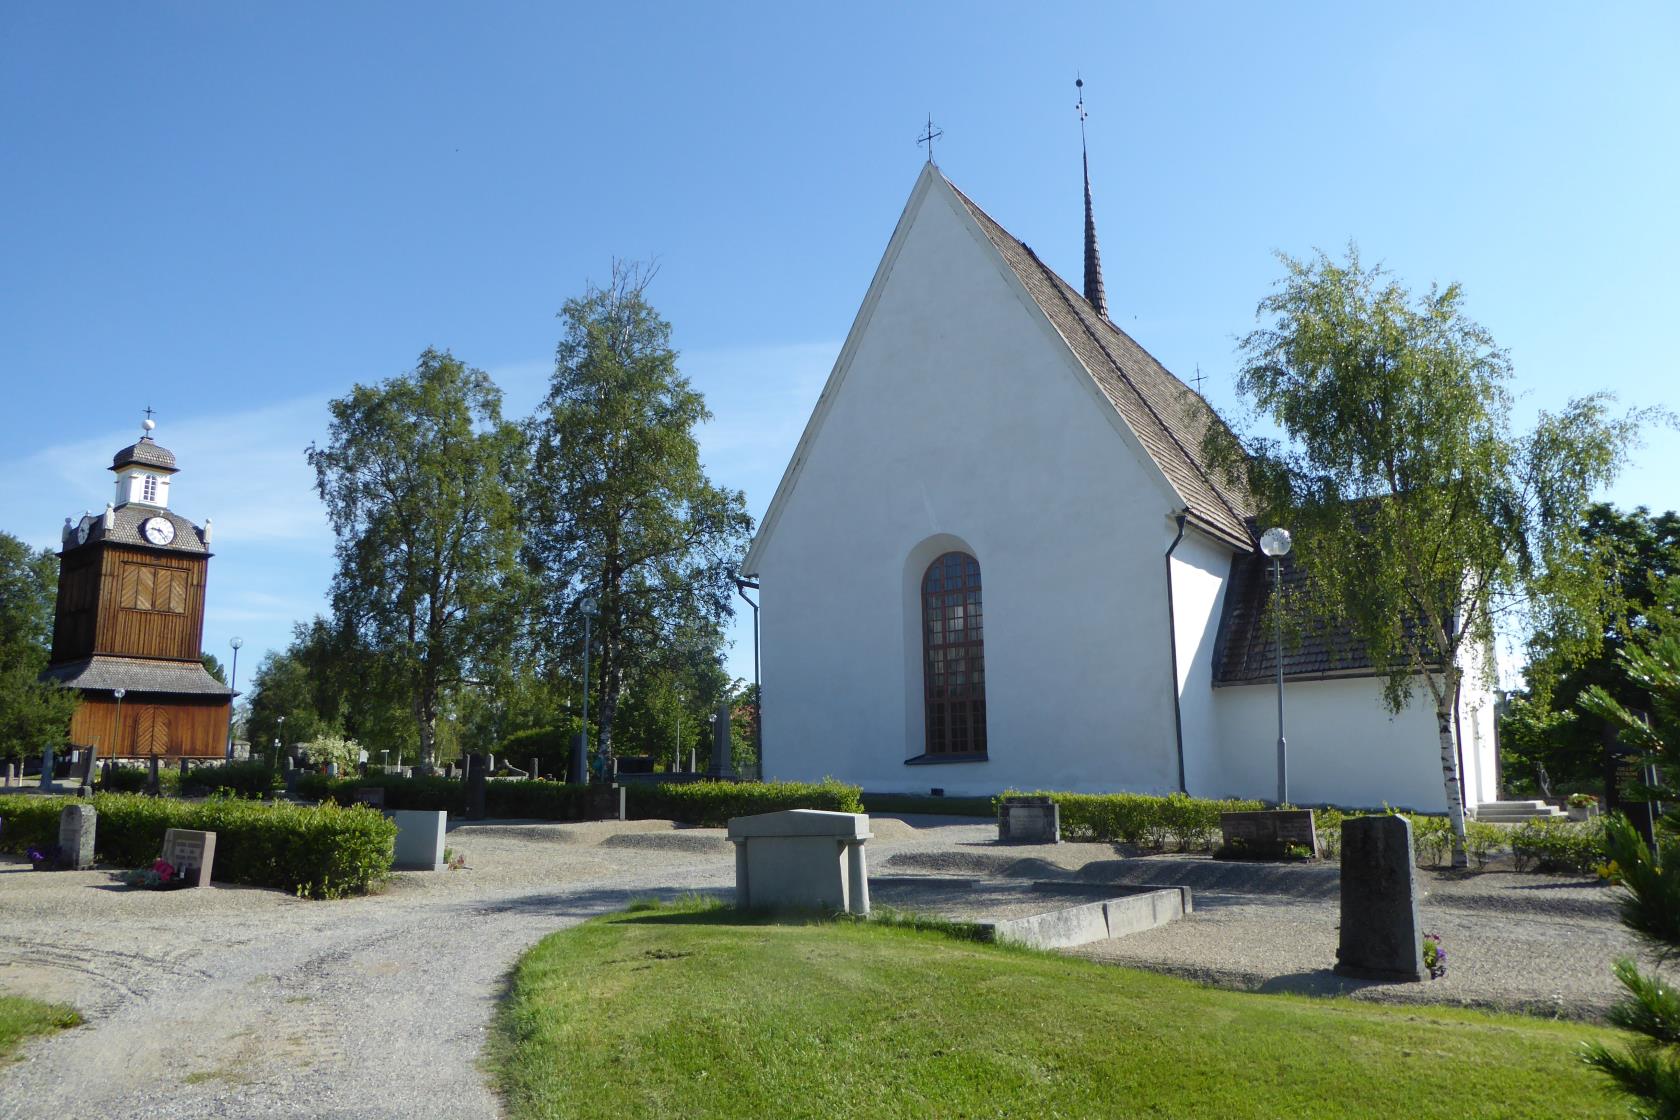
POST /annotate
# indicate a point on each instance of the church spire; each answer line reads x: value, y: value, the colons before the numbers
x: 1093, y: 260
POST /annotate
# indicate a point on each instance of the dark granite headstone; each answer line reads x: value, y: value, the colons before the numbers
x: 475, y: 786
x: 152, y: 783
x: 1268, y: 834
x: 76, y: 827
x: 723, y: 754
x: 1029, y: 820
x: 1382, y: 938
x: 577, y: 772
x: 372, y: 796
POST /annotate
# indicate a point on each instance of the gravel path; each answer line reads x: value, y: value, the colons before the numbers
x: 249, y: 1003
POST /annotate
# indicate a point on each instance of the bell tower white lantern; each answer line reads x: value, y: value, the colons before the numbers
x: 143, y: 470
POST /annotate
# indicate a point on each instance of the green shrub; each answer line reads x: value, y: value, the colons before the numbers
x: 713, y: 803
x: 1328, y: 824
x: 247, y: 779
x: 123, y: 779
x: 1484, y: 841
x: 703, y: 803
x: 1559, y: 846
x: 419, y: 792
x: 316, y: 852
x: 1144, y: 820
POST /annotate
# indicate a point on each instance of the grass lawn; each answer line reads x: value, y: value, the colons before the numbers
x: 694, y: 1011
x: 21, y: 1018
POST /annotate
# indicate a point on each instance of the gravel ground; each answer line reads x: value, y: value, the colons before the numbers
x: 249, y: 1003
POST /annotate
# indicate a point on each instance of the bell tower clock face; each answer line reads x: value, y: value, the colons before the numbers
x: 83, y: 530
x: 158, y: 530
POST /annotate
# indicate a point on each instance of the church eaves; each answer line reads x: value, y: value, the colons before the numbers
x: 1168, y: 418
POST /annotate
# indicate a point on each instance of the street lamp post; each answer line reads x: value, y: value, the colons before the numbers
x: 119, y: 693
x: 589, y: 609
x: 1275, y: 542
x: 233, y: 688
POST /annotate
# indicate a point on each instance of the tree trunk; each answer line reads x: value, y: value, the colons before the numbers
x: 425, y: 714
x: 1449, y: 774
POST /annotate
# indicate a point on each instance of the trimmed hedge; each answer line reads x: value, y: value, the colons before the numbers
x: 247, y: 779
x: 321, y: 852
x: 1144, y: 820
x: 713, y: 803
x: 702, y: 803
x: 1560, y: 846
x: 419, y: 792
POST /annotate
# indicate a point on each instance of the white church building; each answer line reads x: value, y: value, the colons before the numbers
x: 998, y: 560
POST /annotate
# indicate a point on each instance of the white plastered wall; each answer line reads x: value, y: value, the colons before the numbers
x: 957, y: 418
x: 1201, y: 569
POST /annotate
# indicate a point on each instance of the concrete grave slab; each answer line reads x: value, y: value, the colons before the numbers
x: 801, y: 859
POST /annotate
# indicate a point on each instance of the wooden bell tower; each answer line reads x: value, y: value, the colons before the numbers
x: 130, y: 617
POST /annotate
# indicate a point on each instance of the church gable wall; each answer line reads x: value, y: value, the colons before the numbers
x: 961, y: 420
x: 1201, y: 568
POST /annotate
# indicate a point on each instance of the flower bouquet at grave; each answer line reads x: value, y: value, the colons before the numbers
x: 160, y: 876
x: 42, y: 857
x: 1434, y: 957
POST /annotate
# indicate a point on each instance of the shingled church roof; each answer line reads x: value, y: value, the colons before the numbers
x: 1167, y: 416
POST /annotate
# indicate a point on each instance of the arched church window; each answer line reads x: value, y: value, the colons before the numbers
x: 953, y: 662
x: 148, y: 488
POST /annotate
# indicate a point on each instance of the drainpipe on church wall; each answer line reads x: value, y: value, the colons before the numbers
x: 1172, y: 649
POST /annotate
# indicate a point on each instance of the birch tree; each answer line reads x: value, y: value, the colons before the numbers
x: 416, y: 477
x: 1422, y: 519
x: 619, y: 509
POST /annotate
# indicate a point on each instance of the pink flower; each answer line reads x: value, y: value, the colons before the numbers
x: 165, y: 870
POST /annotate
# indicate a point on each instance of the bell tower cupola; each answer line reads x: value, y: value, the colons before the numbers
x: 143, y: 470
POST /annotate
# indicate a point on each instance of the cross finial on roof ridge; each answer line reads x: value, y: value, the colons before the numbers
x: 929, y: 137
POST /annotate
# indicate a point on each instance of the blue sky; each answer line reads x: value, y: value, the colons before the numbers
x: 235, y: 212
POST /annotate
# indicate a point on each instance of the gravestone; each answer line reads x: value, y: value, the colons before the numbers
x: 11, y: 774
x: 1267, y: 834
x: 47, y: 766
x: 1382, y: 938
x: 191, y: 853
x: 533, y: 773
x: 420, y: 834
x: 152, y: 784
x: 76, y: 828
x: 723, y: 755
x: 808, y: 859
x: 475, y: 786
x: 183, y: 768
x: 1029, y: 820
x: 373, y: 796
x: 577, y: 770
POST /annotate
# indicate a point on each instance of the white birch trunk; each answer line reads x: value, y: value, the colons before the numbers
x: 1454, y: 788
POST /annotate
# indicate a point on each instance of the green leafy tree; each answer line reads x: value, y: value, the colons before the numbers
x: 415, y: 476
x: 213, y: 666
x: 1640, y: 553
x: 1421, y: 518
x: 282, y: 705
x: 33, y: 715
x: 1649, y: 1070
x: 620, y: 509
